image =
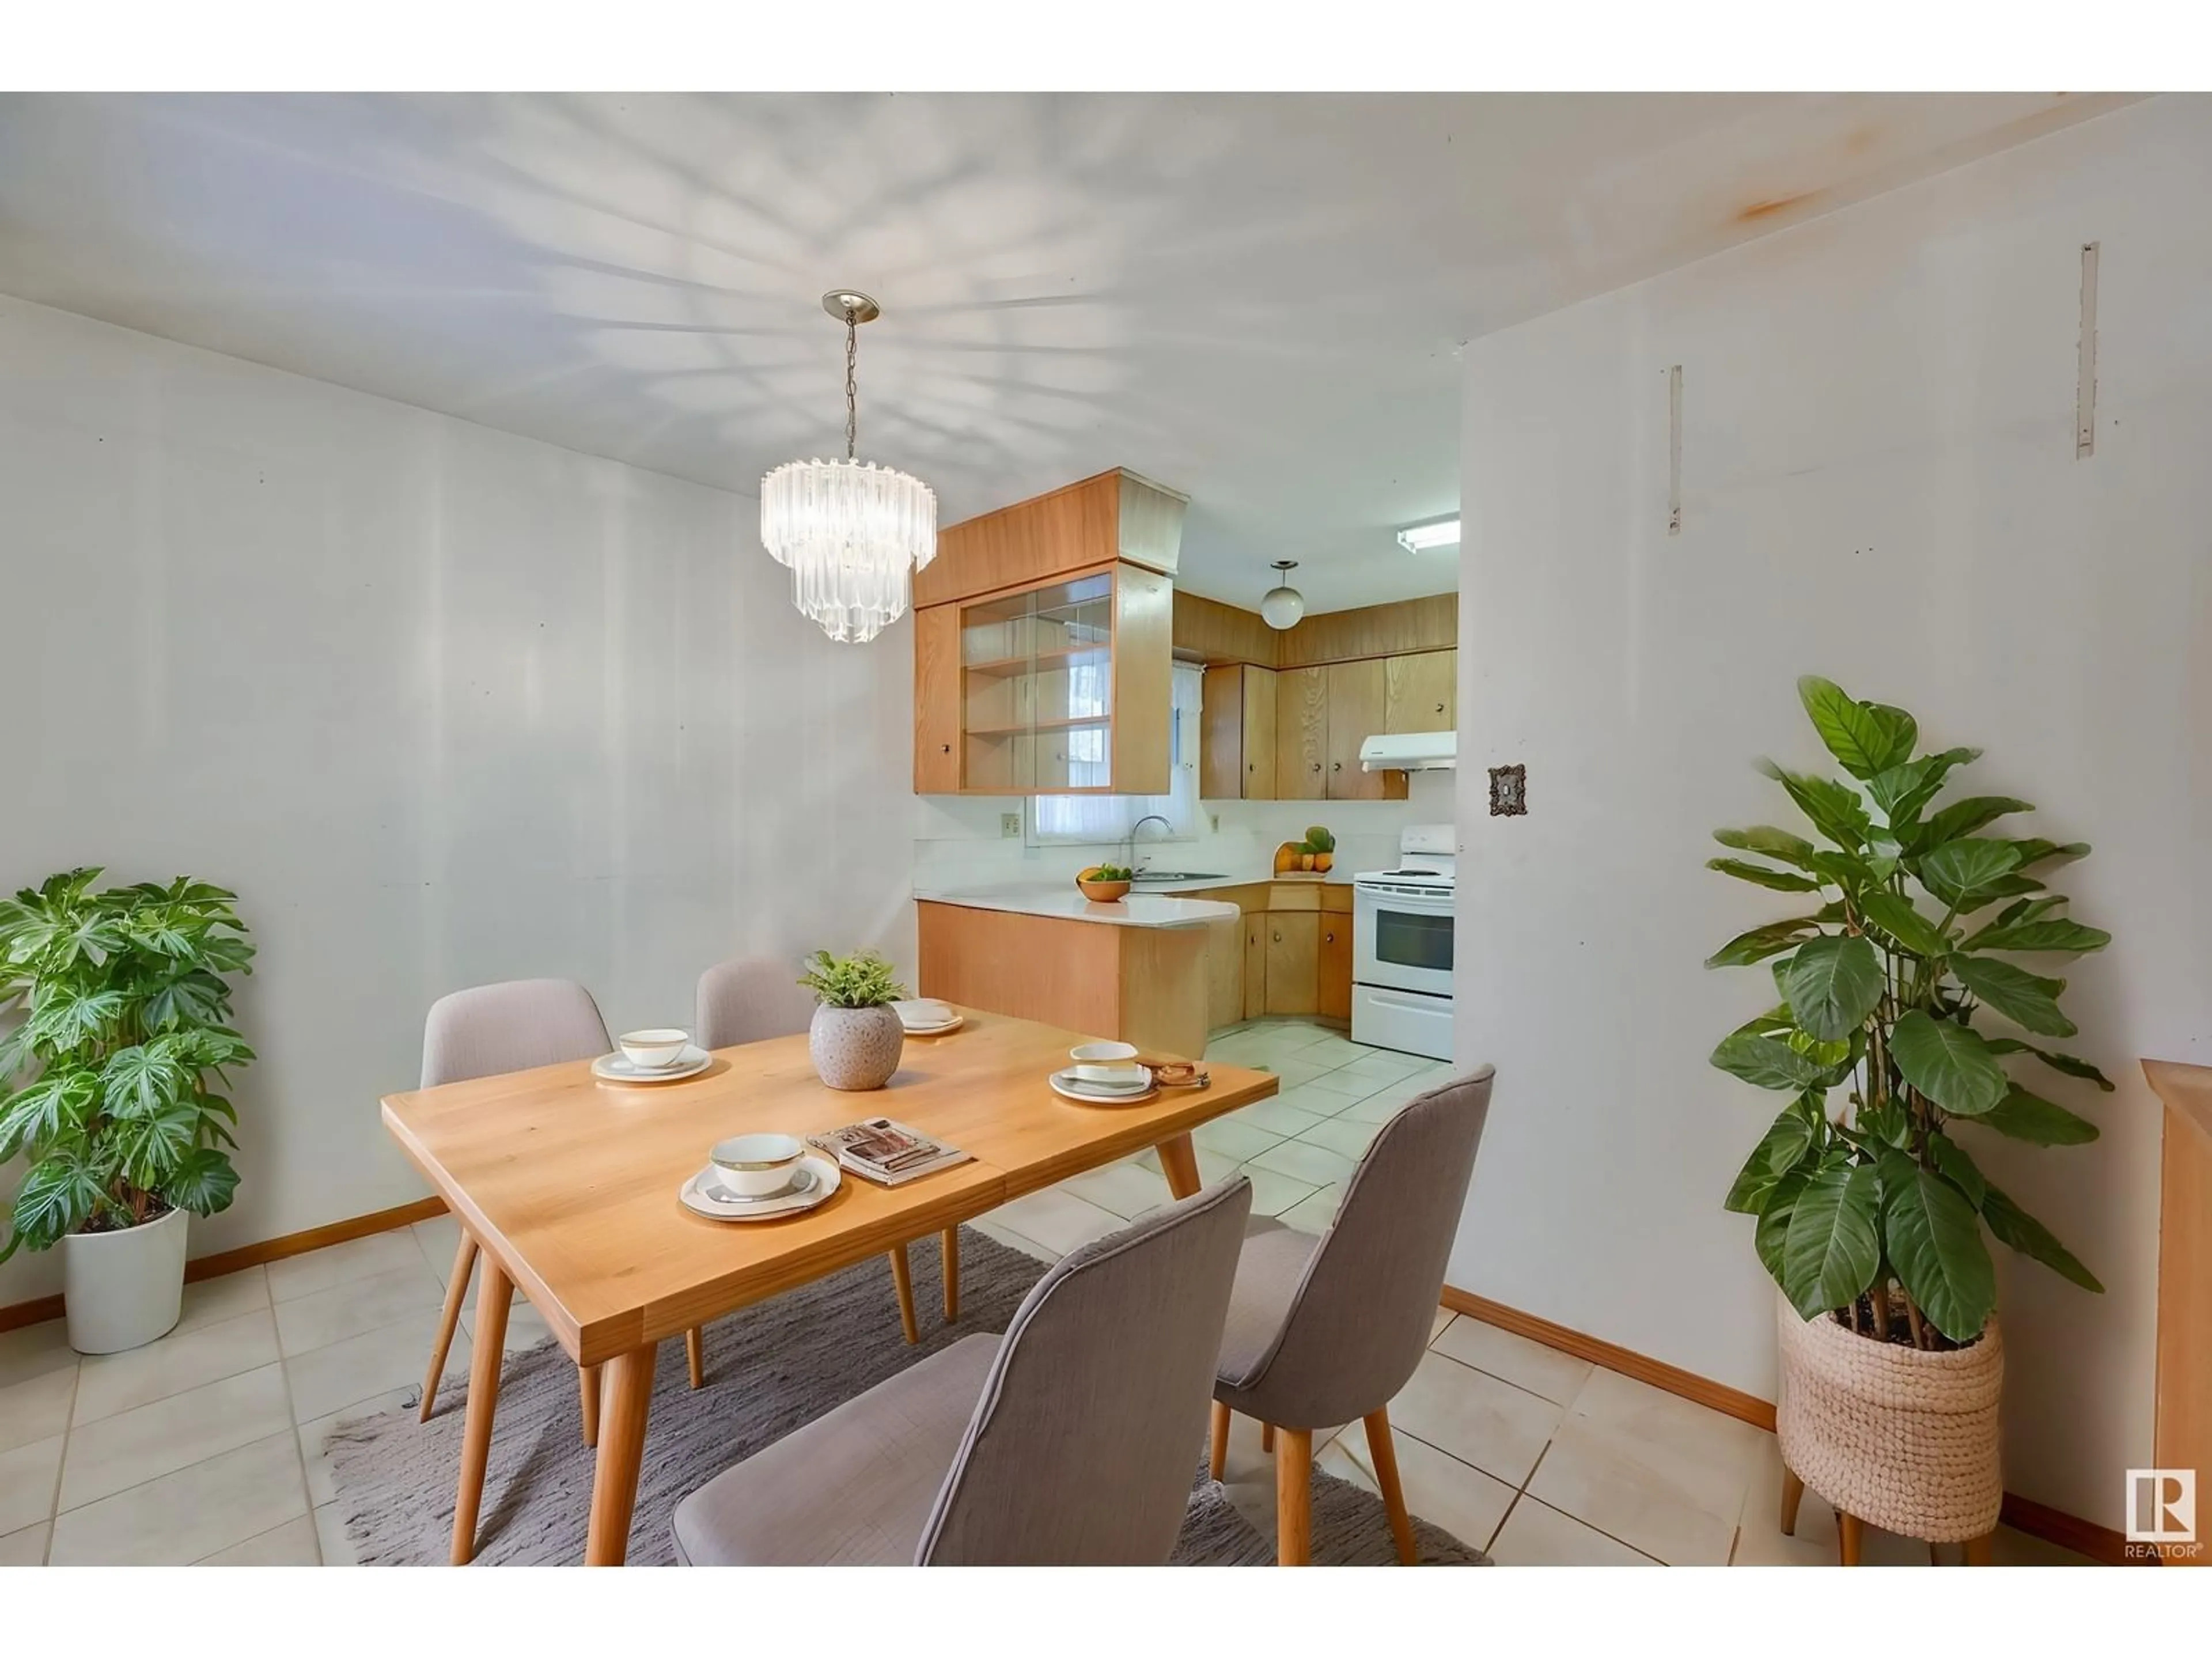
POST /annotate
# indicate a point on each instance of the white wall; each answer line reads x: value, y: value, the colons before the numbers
x: 444, y: 706
x: 1880, y: 486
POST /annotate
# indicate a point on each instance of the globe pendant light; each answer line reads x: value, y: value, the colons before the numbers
x: 1283, y: 604
x: 853, y: 533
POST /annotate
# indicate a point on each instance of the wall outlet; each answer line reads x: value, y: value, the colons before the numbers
x: 1009, y: 826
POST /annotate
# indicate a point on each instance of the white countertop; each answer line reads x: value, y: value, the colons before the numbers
x: 1142, y: 909
x: 1338, y: 877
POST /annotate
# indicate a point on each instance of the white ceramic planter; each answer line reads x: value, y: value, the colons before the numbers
x: 123, y: 1290
x: 855, y: 1049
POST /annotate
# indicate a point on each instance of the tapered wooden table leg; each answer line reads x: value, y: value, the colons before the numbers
x: 588, y: 1393
x: 694, y: 1355
x: 1384, y: 1455
x: 1293, y: 1497
x: 623, y: 1415
x: 902, y: 1283
x: 950, y: 1251
x: 456, y: 1289
x: 1179, y: 1164
x: 1851, y: 1535
x: 1217, y: 1457
x: 493, y: 1299
x: 1981, y: 1552
x: 1792, y: 1493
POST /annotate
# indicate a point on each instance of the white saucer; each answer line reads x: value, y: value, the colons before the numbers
x: 702, y: 1194
x: 952, y: 1025
x: 1065, y: 1083
x: 617, y: 1067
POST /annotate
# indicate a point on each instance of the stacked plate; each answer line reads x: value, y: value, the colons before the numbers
x: 926, y: 1017
x: 1105, y: 1074
x: 812, y: 1182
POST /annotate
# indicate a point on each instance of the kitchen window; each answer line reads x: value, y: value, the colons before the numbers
x: 1060, y: 820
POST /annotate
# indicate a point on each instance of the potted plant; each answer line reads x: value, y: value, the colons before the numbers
x: 123, y: 1038
x: 855, y: 1039
x: 1871, y: 1212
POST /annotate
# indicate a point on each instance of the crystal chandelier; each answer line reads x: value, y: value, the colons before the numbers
x: 853, y: 533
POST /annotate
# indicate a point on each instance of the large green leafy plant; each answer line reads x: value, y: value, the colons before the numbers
x: 862, y: 980
x: 1880, y: 985
x: 123, y: 1035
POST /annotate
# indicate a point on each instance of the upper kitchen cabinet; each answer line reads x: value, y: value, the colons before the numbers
x: 1358, y: 703
x: 1421, y: 692
x: 1043, y: 646
x: 1236, y: 732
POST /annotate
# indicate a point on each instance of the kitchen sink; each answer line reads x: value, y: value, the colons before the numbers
x: 1144, y: 876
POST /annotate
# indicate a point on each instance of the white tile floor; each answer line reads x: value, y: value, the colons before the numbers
x: 206, y: 1447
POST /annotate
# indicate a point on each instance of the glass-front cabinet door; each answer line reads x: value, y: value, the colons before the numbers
x: 1056, y: 686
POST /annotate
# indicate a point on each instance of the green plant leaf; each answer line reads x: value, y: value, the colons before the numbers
x: 52, y: 1109
x: 1934, y: 1240
x: 1833, y: 984
x: 1779, y: 1151
x: 1963, y: 817
x: 1895, y: 915
x: 1769, y: 938
x: 2031, y: 1118
x: 1957, y: 1168
x: 1830, y: 1251
x: 1969, y: 871
x: 2035, y: 850
x: 203, y: 1182
x: 1765, y: 839
x: 140, y: 1080
x: 1836, y: 812
x: 2070, y: 1064
x: 152, y: 1144
x: 2055, y: 933
x: 1782, y: 881
x: 2022, y: 998
x: 1949, y: 1064
x: 58, y: 1195
x: 1903, y: 790
x: 1773, y: 1229
x: 2017, y: 1229
x: 1867, y: 739
x: 195, y: 997
x: 1769, y: 1023
x: 1766, y: 1063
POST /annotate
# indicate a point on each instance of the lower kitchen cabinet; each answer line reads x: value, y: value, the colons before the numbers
x: 1294, y: 962
x: 1255, y: 964
x: 1334, y: 993
x: 1224, y: 972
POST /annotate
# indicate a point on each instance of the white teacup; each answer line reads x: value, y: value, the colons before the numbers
x: 1106, y: 1062
x: 655, y: 1050
x: 753, y: 1166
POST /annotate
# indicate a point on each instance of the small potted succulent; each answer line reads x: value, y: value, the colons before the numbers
x: 112, y: 1088
x: 856, y: 1038
x: 1105, y: 884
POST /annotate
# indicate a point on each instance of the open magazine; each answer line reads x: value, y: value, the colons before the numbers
x: 886, y: 1152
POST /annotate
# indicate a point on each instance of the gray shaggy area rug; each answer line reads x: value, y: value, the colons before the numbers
x: 770, y: 1368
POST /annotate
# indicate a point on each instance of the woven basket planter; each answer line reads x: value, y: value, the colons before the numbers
x: 1904, y: 1440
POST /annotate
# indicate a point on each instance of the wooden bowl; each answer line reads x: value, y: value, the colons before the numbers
x: 1104, y: 892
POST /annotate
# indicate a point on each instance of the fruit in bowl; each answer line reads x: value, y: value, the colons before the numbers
x: 1104, y: 883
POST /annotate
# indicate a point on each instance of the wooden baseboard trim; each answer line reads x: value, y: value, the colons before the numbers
x: 40, y: 1309
x: 2025, y: 1514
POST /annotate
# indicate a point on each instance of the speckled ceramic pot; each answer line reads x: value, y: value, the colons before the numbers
x: 855, y: 1048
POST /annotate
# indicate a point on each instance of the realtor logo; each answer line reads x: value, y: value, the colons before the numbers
x: 2161, y: 1506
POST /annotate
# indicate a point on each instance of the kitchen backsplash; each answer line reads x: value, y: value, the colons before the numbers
x: 958, y: 842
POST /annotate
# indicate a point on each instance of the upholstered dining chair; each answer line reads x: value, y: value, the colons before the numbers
x: 1067, y: 1442
x: 751, y: 998
x: 512, y: 1027
x: 1325, y: 1330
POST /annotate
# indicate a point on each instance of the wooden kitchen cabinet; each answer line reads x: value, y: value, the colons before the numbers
x: 1421, y: 692
x: 1236, y: 735
x: 1224, y: 972
x: 1062, y: 687
x: 1301, y: 734
x: 1293, y: 961
x: 1357, y: 699
x: 1255, y: 964
x: 1332, y: 992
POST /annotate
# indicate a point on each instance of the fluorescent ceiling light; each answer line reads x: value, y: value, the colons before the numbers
x: 1420, y: 538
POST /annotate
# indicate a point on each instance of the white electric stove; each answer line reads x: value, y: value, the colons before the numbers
x: 1402, y: 946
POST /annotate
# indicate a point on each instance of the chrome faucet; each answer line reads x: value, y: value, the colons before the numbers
x: 1130, y: 862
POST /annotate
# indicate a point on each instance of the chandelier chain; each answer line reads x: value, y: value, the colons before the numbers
x: 852, y: 385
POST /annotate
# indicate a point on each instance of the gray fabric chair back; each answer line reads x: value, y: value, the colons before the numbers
x: 749, y: 1000
x: 1361, y: 1319
x: 1088, y: 1432
x: 510, y: 1027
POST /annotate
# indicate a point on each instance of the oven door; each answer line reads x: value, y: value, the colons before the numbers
x: 1402, y: 938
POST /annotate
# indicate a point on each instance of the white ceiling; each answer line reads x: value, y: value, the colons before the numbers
x: 1255, y: 299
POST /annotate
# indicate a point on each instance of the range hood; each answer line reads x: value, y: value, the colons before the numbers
x: 1410, y: 752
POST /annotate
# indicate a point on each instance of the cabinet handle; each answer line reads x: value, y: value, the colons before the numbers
x: 1329, y: 938
x: 1336, y: 765
x: 1440, y: 708
x: 945, y: 749
x: 1316, y: 766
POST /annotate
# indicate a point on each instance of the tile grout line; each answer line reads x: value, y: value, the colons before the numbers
x: 61, y: 1464
x: 292, y: 1411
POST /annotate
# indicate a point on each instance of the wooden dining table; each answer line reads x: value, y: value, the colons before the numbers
x: 569, y: 1187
